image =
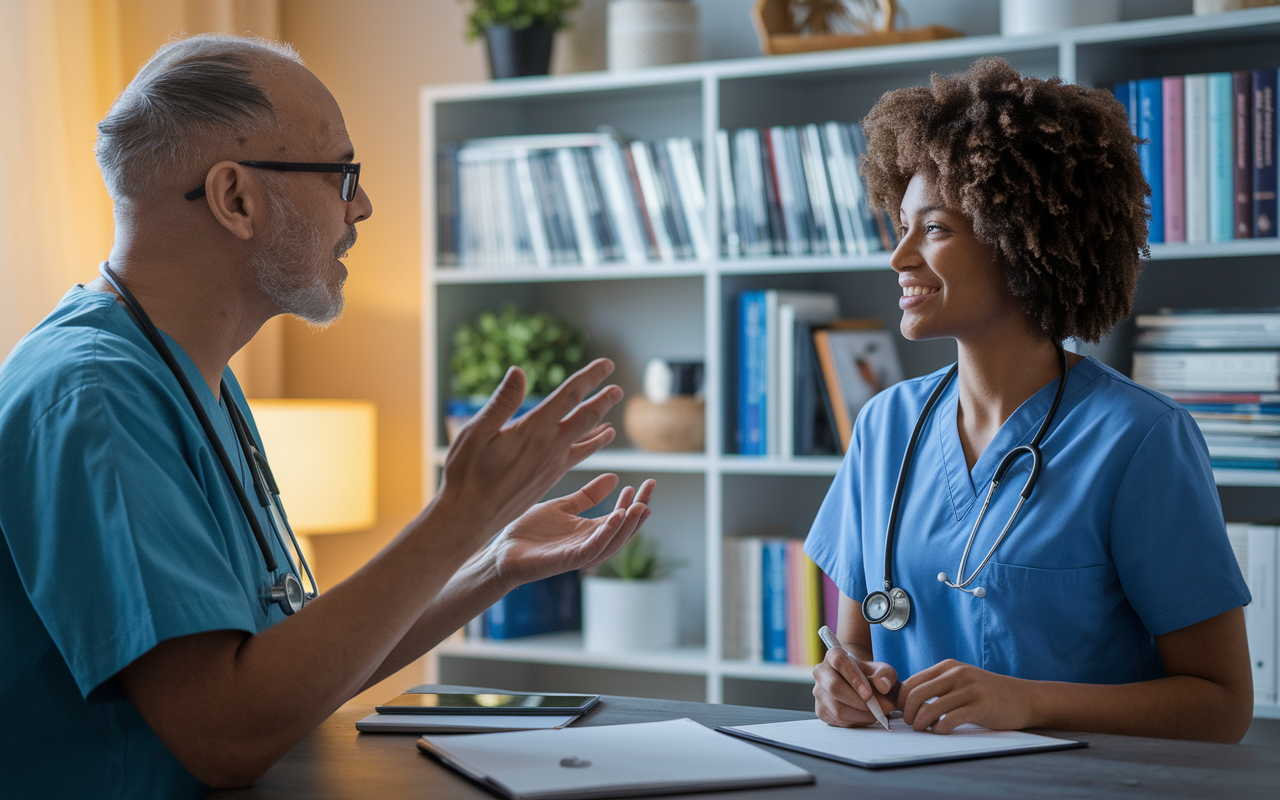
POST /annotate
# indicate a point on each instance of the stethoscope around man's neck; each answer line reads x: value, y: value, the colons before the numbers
x: 891, y: 607
x: 285, y: 590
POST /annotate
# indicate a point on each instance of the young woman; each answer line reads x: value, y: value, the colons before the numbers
x: 1107, y: 599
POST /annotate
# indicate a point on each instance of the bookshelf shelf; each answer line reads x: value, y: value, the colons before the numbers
x: 685, y: 309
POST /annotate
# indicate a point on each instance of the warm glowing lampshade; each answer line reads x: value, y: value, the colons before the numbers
x: 322, y: 454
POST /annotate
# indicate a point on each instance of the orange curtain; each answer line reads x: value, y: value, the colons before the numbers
x: 62, y: 63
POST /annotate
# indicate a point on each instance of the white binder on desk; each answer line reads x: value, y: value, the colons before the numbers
x: 645, y: 758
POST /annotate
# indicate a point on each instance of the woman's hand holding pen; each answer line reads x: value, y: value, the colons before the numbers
x: 840, y: 694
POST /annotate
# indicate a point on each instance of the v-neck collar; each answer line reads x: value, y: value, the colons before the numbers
x: 1019, y: 429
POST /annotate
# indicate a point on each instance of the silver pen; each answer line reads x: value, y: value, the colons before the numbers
x: 830, y: 640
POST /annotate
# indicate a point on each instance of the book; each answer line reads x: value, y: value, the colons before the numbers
x: 782, y: 311
x: 874, y: 747
x: 545, y: 606
x: 1175, y: 195
x: 1264, y: 153
x: 856, y: 364
x: 1245, y: 371
x: 644, y: 758
x: 730, y: 239
x: 753, y: 369
x: 813, y: 428
x: 1221, y: 158
x: 1242, y: 144
x: 647, y: 179
x: 1151, y: 152
x: 773, y: 567
x: 1195, y: 140
x: 815, y: 171
x: 624, y: 213
x: 1255, y: 547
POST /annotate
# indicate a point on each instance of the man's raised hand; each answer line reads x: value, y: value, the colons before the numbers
x: 498, y: 467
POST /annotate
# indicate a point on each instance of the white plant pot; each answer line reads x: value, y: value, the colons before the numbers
x: 650, y: 33
x: 626, y: 616
x: 1039, y: 16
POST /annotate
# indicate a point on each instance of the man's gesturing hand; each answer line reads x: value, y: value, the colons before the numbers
x: 497, y: 467
x: 551, y: 538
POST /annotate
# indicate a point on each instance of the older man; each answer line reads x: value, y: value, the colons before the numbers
x: 142, y: 653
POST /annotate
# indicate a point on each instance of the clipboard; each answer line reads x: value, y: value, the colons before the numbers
x: 900, y: 746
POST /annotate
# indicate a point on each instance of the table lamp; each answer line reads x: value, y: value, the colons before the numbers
x: 322, y: 453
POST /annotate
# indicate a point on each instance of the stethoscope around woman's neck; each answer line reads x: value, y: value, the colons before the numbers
x: 285, y: 590
x: 891, y: 607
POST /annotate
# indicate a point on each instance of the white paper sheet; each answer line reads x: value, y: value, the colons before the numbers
x: 875, y: 747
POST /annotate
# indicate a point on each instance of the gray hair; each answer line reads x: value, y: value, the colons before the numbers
x: 161, y: 124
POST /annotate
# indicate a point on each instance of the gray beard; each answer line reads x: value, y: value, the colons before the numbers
x: 292, y: 263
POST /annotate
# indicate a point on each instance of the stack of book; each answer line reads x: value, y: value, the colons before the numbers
x: 1224, y: 368
x: 803, y: 373
x: 796, y: 191
x: 775, y: 599
x: 1210, y: 154
x: 587, y: 199
x: 1255, y: 547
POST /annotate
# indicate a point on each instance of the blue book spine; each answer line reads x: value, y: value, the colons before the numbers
x: 773, y: 560
x: 752, y: 372
x: 1264, y: 153
x: 1126, y: 92
x: 546, y: 606
x: 1221, y: 203
x: 1151, y: 152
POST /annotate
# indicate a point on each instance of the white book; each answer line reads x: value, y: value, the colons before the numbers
x: 533, y: 216
x: 653, y: 201
x: 813, y: 306
x: 819, y: 190
x: 730, y: 239
x: 1208, y: 371
x: 749, y: 179
x: 788, y: 196
x: 732, y: 634
x: 817, y: 309
x: 677, y: 755
x: 620, y: 202
x: 1260, y: 617
x: 1196, y: 143
x: 582, y: 230
x: 838, y: 170
x: 693, y: 200
x: 752, y: 565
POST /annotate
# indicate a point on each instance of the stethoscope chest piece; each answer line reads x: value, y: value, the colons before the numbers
x: 891, y: 609
x: 287, y: 593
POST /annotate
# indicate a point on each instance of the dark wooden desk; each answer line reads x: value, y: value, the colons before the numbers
x: 338, y: 762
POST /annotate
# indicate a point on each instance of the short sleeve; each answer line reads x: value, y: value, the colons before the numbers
x: 121, y: 548
x: 835, y: 538
x: 1168, y: 538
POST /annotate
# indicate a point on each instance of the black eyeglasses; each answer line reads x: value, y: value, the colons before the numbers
x: 350, y: 175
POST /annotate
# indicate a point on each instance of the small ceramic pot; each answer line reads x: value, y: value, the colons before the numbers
x: 628, y: 615
x: 674, y: 426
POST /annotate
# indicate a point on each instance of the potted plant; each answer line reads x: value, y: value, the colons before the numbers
x: 518, y: 33
x: 547, y: 348
x: 629, y: 603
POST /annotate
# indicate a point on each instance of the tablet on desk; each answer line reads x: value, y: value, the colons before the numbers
x: 489, y: 703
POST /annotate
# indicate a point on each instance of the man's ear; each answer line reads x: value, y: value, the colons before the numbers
x: 235, y: 199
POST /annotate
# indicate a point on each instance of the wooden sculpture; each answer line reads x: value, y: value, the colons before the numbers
x: 801, y: 26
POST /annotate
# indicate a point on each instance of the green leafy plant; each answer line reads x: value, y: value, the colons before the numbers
x: 547, y: 348
x: 638, y: 560
x: 518, y: 14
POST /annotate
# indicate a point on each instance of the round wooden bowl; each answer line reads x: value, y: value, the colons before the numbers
x: 676, y: 426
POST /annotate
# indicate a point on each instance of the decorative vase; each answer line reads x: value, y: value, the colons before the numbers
x: 628, y: 615
x: 1039, y: 16
x: 519, y: 52
x: 673, y: 426
x: 1219, y: 6
x: 650, y: 33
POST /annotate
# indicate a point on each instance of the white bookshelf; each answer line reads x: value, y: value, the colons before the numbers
x: 684, y: 309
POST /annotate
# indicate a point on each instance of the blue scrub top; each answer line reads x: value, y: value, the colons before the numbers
x: 1122, y: 539
x: 121, y: 531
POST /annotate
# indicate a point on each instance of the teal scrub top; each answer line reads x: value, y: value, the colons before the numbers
x: 1121, y: 540
x: 121, y: 530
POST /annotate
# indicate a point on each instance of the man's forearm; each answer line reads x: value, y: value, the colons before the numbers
x: 473, y: 589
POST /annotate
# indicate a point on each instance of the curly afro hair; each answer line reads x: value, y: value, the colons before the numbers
x: 1048, y: 172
